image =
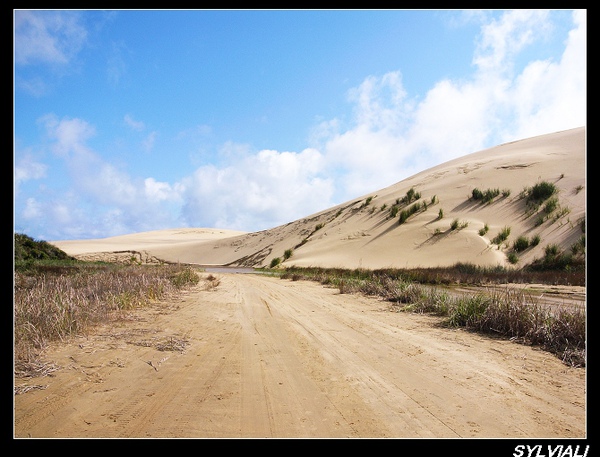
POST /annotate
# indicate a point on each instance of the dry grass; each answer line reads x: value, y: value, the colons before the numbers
x: 53, y: 304
x: 211, y: 282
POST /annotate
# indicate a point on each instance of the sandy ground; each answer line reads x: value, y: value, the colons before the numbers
x: 261, y: 357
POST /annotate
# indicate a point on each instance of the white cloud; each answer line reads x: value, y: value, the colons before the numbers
x: 28, y: 168
x: 257, y: 190
x: 48, y: 37
x: 70, y: 134
x: 452, y: 120
x: 138, y: 126
x: 393, y: 137
x: 34, y: 86
x: 61, y: 218
x: 502, y: 39
x: 91, y: 175
x: 551, y: 96
x: 159, y: 191
x: 380, y: 102
x: 149, y: 141
x: 135, y: 125
x: 33, y: 209
x: 62, y: 214
x: 116, y: 66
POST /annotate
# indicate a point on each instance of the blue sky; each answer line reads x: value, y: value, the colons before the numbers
x: 134, y: 120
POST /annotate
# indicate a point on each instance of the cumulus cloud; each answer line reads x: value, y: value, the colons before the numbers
x: 550, y: 95
x: 392, y: 136
x: 501, y: 40
x: 32, y: 209
x: 156, y: 191
x: 62, y: 218
x: 256, y: 191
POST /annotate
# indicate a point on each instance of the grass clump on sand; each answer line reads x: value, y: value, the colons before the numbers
x: 502, y: 236
x: 540, y: 191
x: 458, y: 225
x: 275, y: 261
x: 413, y: 209
x: 485, y: 196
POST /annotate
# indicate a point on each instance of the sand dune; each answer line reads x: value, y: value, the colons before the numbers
x: 362, y: 233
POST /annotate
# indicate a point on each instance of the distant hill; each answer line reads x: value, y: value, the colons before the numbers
x: 27, y: 249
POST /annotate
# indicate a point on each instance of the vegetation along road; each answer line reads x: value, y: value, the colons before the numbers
x: 257, y: 356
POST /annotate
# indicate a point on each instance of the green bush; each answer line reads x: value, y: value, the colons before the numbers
x: 579, y: 246
x: 274, y: 262
x: 521, y: 243
x: 455, y: 224
x: 551, y: 250
x: 541, y: 191
x: 410, y: 196
x: 502, y: 236
x: 485, y: 196
x: 26, y: 248
x: 406, y: 213
x: 467, y: 310
x: 551, y: 205
x: 187, y: 276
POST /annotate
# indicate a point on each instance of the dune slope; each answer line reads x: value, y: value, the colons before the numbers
x: 366, y: 232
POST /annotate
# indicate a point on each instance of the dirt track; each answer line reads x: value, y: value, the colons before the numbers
x: 264, y: 357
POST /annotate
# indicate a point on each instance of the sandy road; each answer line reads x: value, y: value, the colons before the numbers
x: 264, y: 357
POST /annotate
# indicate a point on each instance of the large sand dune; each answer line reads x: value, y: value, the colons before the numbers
x: 362, y: 233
